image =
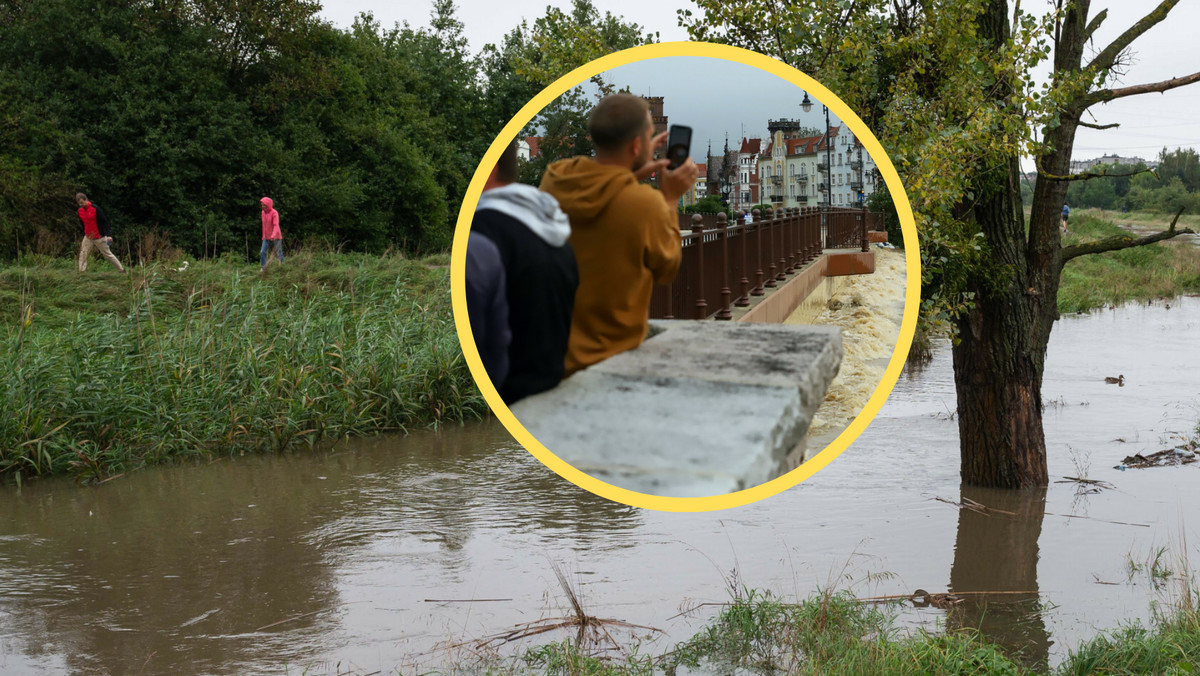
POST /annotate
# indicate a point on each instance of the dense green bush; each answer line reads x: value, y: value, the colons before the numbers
x: 178, y: 116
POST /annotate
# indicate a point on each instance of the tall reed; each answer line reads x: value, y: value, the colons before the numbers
x: 219, y: 362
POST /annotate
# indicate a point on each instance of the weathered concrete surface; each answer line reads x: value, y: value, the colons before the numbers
x: 701, y: 408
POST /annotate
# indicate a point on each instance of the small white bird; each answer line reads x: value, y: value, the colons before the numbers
x: 185, y: 264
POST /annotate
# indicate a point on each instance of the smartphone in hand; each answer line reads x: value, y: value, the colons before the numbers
x: 679, y: 145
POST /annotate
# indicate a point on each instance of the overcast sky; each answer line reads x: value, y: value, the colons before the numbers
x: 691, y: 98
x: 1148, y: 122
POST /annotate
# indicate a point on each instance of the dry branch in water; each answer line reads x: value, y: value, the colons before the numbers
x: 587, y: 628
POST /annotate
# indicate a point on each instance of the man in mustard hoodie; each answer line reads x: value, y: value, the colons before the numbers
x: 625, y: 233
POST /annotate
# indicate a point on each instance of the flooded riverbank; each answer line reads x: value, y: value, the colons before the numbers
x: 359, y: 560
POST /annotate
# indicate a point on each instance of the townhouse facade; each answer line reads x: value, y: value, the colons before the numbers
x: 787, y: 165
x: 797, y: 170
x: 746, y: 190
x: 854, y: 175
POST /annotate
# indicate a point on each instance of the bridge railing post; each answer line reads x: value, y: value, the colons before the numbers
x: 866, y: 243
x: 787, y: 265
x: 797, y: 260
x: 698, y: 231
x: 744, y: 239
x: 814, y: 234
x: 782, y: 221
x: 771, y: 224
x: 758, y: 232
x: 726, y: 295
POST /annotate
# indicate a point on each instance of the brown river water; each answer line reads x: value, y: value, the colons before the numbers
x: 357, y: 560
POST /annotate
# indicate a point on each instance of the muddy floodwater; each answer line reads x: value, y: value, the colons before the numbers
x: 359, y: 560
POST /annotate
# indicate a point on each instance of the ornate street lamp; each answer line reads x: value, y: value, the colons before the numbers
x: 806, y: 105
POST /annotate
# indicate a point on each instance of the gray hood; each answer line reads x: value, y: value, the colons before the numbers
x: 537, y: 210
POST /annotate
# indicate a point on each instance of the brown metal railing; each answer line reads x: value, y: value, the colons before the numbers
x: 725, y: 263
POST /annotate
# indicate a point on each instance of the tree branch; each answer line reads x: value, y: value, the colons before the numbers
x: 1122, y: 242
x: 1089, y: 125
x: 1087, y: 175
x: 1094, y: 24
x: 1107, y: 58
x: 1105, y: 95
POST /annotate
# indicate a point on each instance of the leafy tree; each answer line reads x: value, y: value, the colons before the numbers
x: 948, y: 88
x: 505, y: 90
x: 560, y: 42
x: 1182, y: 163
x: 564, y: 133
x: 557, y: 43
x: 1099, y: 193
x: 709, y: 204
x: 178, y: 115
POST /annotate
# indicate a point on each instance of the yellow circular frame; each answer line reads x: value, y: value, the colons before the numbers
x: 911, y: 302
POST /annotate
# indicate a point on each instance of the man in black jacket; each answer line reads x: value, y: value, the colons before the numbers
x: 530, y: 232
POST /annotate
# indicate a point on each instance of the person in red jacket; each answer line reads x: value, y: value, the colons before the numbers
x: 96, y: 233
x: 271, y: 236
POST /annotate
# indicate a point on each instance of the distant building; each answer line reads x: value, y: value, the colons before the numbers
x: 779, y: 181
x: 698, y: 190
x: 800, y: 166
x: 1080, y: 166
x: 794, y: 173
x: 719, y: 173
x: 656, y: 113
x: 853, y: 174
x: 659, y: 119
x: 527, y: 148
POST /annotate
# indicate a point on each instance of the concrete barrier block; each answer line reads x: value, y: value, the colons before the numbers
x: 851, y: 263
x: 701, y: 408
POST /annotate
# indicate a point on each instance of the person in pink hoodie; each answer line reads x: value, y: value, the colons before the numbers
x: 271, y: 236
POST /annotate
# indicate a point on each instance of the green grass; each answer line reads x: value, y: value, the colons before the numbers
x: 1172, y: 646
x: 102, y: 373
x: 1161, y: 270
x: 832, y: 633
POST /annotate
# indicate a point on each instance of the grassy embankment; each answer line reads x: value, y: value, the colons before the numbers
x: 1161, y: 270
x: 101, y: 373
x: 835, y: 634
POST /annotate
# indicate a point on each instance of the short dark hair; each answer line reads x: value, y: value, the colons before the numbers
x: 617, y: 119
x: 507, y: 169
